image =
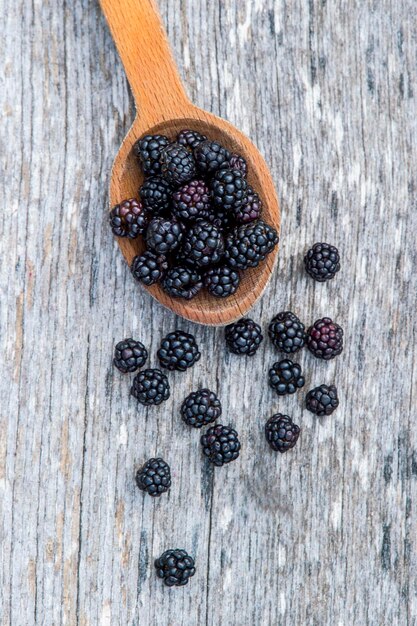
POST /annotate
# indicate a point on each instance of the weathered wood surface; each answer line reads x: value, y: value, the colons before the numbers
x: 325, y: 535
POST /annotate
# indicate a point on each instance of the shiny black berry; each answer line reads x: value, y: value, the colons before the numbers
x: 175, y: 567
x: 250, y: 210
x: 148, y: 150
x: 190, y: 138
x: 229, y: 189
x: 322, y: 262
x: 325, y: 339
x: 203, y: 244
x: 237, y: 162
x: 163, y: 235
x: 129, y: 355
x: 243, y: 337
x: 155, y: 194
x: 322, y: 400
x: 247, y: 245
x: 191, y: 201
x: 201, y: 408
x: 149, y: 268
x: 287, y: 332
x: 182, y: 282
x: 150, y: 386
x: 154, y: 477
x: 178, y: 351
x: 128, y: 219
x: 285, y: 377
x: 221, y: 281
x: 220, y: 444
x: 281, y: 433
x: 210, y: 156
x: 177, y: 164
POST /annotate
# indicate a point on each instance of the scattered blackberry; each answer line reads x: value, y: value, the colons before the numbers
x: 177, y: 164
x: 287, y: 332
x: 155, y: 194
x: 150, y: 386
x: 148, y: 150
x: 201, y: 408
x: 190, y: 138
x: 250, y: 210
x: 154, y: 477
x: 175, y: 567
x: 178, y: 351
x: 203, y: 244
x: 191, y: 200
x: 322, y: 400
x: 129, y: 355
x: 163, y: 235
x: 182, y: 282
x: 285, y: 377
x: 249, y: 244
x: 322, y: 262
x: 281, y: 432
x: 210, y: 156
x: 148, y: 268
x: 229, y: 189
x: 243, y: 337
x: 221, y: 281
x: 220, y: 444
x: 325, y: 339
x: 128, y: 219
x: 237, y: 162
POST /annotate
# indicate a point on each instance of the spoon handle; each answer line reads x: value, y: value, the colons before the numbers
x: 143, y: 47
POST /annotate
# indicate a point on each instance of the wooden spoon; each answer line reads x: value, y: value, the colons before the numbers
x: 164, y: 108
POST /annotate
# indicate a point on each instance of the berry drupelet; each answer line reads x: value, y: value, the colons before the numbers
x: 150, y: 386
x: 243, y: 337
x: 201, y: 408
x: 322, y: 400
x: 287, y: 332
x: 220, y: 444
x: 203, y: 244
x: 128, y: 219
x: 221, y: 281
x: 249, y: 244
x: 175, y: 567
x: 190, y: 138
x: 322, y: 262
x: 191, y: 200
x: 154, y: 477
x: 178, y: 351
x: 250, y: 210
x: 148, y: 150
x: 229, y: 189
x: 155, y: 194
x: 285, y: 377
x: 149, y: 268
x: 129, y: 355
x: 210, y: 156
x: 163, y: 235
x: 325, y: 339
x: 177, y: 164
x: 281, y: 433
x: 182, y: 282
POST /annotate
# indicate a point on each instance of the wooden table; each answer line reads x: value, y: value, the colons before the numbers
x: 324, y: 535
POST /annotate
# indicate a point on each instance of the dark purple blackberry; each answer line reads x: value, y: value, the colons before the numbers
x: 243, y: 337
x: 128, y: 219
x: 191, y: 200
x: 148, y: 268
x: 129, y: 355
x: 285, y: 377
x: 178, y: 351
x: 154, y: 477
x: 210, y: 156
x: 150, y: 386
x: 201, y: 408
x: 203, y: 244
x: 322, y: 400
x: 325, y: 339
x: 249, y: 244
x: 287, y: 332
x: 177, y: 164
x: 182, y: 282
x: 250, y: 210
x: 281, y: 432
x: 221, y: 281
x: 190, y: 138
x: 237, y: 162
x: 229, y: 189
x: 155, y: 194
x: 220, y: 444
x: 163, y: 235
x: 148, y: 150
x: 175, y: 567
x: 322, y: 262
x: 224, y: 220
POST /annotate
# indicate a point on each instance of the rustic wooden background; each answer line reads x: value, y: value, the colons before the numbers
x: 324, y: 535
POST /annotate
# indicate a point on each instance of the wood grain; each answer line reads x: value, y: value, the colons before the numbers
x: 325, y: 535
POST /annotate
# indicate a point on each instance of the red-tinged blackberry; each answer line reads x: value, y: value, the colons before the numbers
x: 175, y: 567
x: 177, y: 164
x: 249, y: 244
x: 190, y: 138
x: 285, y: 377
x: 163, y: 235
x: 325, y: 339
x: 129, y: 355
x: 322, y: 262
x: 128, y: 219
x: 287, y: 332
x: 150, y: 386
x: 210, y: 156
x: 191, y: 200
x: 182, y: 282
x: 220, y: 444
x: 281, y: 432
x: 237, y: 162
x: 149, y: 268
x: 155, y: 194
x: 243, y: 337
x: 221, y: 281
x: 322, y: 400
x: 229, y: 189
x: 178, y: 351
x: 203, y: 244
x: 250, y: 210
x: 201, y: 408
x: 148, y: 150
x: 154, y: 477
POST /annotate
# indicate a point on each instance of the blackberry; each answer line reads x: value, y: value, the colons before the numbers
x: 222, y: 219
x: 175, y: 567
x: 148, y: 150
x: 190, y: 138
x: 155, y: 194
x: 249, y: 244
x: 150, y: 386
x: 154, y: 477
x: 237, y: 162
x: 201, y: 408
x: 163, y: 235
x: 210, y: 156
x: 221, y: 281
x: 250, y: 210
x: 148, y: 268
x: 287, y: 332
x: 322, y: 262
x: 203, y: 244
x: 128, y: 219
x: 325, y: 339
x: 281, y: 432
x: 229, y: 189
x: 129, y: 355
x: 182, y: 282
x: 243, y: 337
x: 285, y: 377
x: 191, y: 200
x: 177, y: 164
x: 322, y: 400
x: 220, y: 444
x: 178, y: 351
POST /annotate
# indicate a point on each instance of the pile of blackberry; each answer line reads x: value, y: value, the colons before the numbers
x: 199, y: 218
